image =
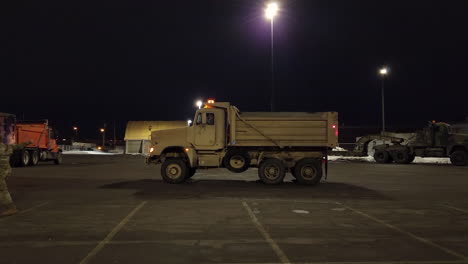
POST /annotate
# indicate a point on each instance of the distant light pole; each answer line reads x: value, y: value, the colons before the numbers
x: 76, y: 132
x: 383, y: 73
x: 199, y: 104
x: 270, y: 13
x: 103, y: 132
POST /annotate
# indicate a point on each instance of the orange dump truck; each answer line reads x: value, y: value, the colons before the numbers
x: 42, y: 147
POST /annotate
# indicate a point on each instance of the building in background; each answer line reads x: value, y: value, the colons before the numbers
x: 138, y: 134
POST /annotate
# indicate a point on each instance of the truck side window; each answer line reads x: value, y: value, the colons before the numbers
x: 199, y: 119
x: 210, y: 118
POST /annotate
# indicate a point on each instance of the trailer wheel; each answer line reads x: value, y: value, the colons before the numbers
x: 382, y: 156
x: 59, y: 159
x: 308, y: 171
x: 237, y: 160
x: 459, y: 158
x: 34, y: 158
x: 401, y: 157
x: 25, y: 158
x: 272, y: 171
x: 174, y: 171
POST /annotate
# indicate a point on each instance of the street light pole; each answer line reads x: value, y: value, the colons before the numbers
x: 270, y: 13
x: 383, y: 73
x: 272, y: 103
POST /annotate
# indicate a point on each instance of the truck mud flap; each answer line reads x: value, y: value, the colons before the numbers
x: 325, y: 165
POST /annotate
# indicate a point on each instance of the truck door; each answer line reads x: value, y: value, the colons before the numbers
x: 209, y: 129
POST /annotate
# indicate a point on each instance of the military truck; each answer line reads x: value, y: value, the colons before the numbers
x: 436, y: 140
x: 222, y: 136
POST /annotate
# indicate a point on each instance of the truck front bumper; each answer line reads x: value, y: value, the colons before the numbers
x: 155, y: 159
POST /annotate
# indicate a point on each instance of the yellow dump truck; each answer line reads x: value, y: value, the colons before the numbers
x: 222, y: 136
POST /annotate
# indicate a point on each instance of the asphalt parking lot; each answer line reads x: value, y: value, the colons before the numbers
x: 115, y: 209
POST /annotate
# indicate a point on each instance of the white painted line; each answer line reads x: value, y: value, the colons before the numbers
x: 418, y: 238
x: 455, y: 208
x: 281, y: 255
x: 366, y: 262
x: 20, y: 212
x: 111, y: 235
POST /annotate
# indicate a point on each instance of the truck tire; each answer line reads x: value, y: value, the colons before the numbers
x: 459, y: 158
x: 24, y: 158
x: 59, y: 159
x: 411, y: 159
x: 401, y: 157
x: 272, y: 171
x: 34, y: 155
x: 382, y: 156
x: 174, y: 171
x: 308, y: 171
x: 237, y: 160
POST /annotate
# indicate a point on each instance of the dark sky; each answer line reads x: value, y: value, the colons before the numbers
x: 83, y: 63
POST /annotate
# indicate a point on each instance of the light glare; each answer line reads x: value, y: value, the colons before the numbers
x: 271, y: 10
x: 383, y: 71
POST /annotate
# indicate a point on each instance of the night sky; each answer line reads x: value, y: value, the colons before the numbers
x: 83, y: 63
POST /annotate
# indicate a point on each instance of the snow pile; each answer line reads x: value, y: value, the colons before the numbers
x: 371, y: 159
x: 339, y: 149
x: 88, y: 152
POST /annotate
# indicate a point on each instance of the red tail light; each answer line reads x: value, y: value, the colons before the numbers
x: 336, y: 129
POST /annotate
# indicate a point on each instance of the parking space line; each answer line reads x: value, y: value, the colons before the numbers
x: 418, y: 238
x: 367, y: 262
x: 281, y: 255
x: 21, y: 212
x: 455, y: 208
x: 112, y: 233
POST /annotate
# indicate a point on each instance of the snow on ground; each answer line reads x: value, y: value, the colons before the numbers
x: 88, y: 152
x: 371, y: 159
x: 339, y: 149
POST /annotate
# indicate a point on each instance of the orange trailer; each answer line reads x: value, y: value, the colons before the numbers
x: 43, y: 145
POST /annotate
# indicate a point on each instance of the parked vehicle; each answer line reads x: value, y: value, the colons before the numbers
x: 43, y: 145
x: 436, y: 140
x: 222, y: 136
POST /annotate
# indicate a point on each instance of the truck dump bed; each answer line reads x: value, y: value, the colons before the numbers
x: 285, y: 129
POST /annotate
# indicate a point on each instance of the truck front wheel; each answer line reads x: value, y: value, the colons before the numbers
x: 308, y: 171
x: 59, y: 159
x: 174, y: 171
x: 459, y: 158
x: 272, y: 171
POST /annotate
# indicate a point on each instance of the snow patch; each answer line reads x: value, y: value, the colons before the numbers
x: 417, y: 160
x: 300, y: 211
x: 93, y: 152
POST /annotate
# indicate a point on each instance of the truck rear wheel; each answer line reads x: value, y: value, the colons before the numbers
x: 237, y: 160
x: 174, y: 171
x: 25, y: 158
x: 382, y: 156
x: 401, y: 157
x: 34, y: 155
x: 272, y: 171
x: 459, y: 158
x: 308, y: 171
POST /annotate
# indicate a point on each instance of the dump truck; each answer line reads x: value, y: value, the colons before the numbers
x: 221, y: 136
x: 43, y: 145
x: 435, y: 140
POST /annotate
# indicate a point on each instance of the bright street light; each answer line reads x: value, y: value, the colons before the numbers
x: 199, y: 104
x: 271, y: 10
x: 102, y: 130
x: 383, y: 71
x: 189, y: 122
